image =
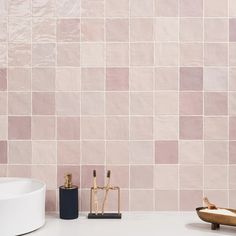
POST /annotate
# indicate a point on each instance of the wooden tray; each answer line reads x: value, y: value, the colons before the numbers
x: 216, y: 219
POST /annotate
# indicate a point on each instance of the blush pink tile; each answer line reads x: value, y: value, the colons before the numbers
x: 68, y: 128
x: 68, y: 8
x: 68, y: 30
x: 3, y: 127
x: 232, y: 79
x: 117, y: 152
x: 232, y: 103
x: 20, y: 152
x: 232, y: 152
x: 93, y: 152
x: 19, y: 8
x: 141, y: 128
x: 117, y: 9
x: 117, y: 79
x: 141, y: 8
x: 232, y: 195
x: 43, y: 8
x: 191, y: 127
x: 191, y: 103
x: 167, y: 54
x: 43, y: 127
x: 190, y: 199
x: 141, y: 176
x: 220, y: 197
x: 43, y: 103
x: 50, y: 201
x: 92, y: 127
x: 3, y: 79
x: 119, y: 175
x: 232, y: 8
x: 167, y: 29
x: 166, y: 200
x: 141, y: 200
x: 216, y: 152
x: 141, y: 29
x: 68, y: 152
x: 216, y: 9
x: 117, y: 128
x: 3, y: 55
x: 232, y: 176
x: 63, y: 170
x: 117, y: 30
x: 3, y: 33
x: 117, y: 103
x: 91, y: 8
x: 191, y: 78
x: 92, y: 30
x: 216, y: 103
x: 19, y: 171
x: 191, y: 8
x: 232, y: 26
x: 166, y: 8
x: 3, y: 152
x: 141, y: 103
x: 232, y: 128
x: 3, y: 170
x: 19, y: 127
x: 232, y: 54
x: 3, y: 103
x: 166, y: 152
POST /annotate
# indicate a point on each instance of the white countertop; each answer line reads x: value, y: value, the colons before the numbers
x: 132, y: 224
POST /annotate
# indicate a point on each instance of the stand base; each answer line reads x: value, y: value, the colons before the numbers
x: 104, y: 216
x: 215, y: 226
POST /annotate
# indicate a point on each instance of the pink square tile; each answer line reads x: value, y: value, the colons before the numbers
x: 141, y: 29
x: 191, y: 127
x: 3, y: 103
x: 232, y: 8
x: 216, y: 54
x: 141, y: 128
x: 87, y: 175
x: 213, y: 8
x: 3, y: 79
x: 215, y: 128
x: 191, y: 176
x: 19, y: 79
x: 166, y: 103
x: 44, y: 152
x: 68, y: 152
x: 141, y: 8
x: 50, y: 201
x: 219, y: 197
x: 44, y: 54
x: 68, y: 54
x: 192, y: 8
x: 141, y: 200
x: 191, y: 29
x: 232, y: 103
x: 141, y: 176
x: 93, y: 152
x: 117, y: 79
x: 117, y: 9
x: 232, y: 152
x: 213, y: 27
x: 68, y: 30
x: 117, y: 128
x: 232, y: 78
x: 92, y: 79
x: 191, y: 54
x: 215, y: 177
x: 67, y: 103
x: 166, y: 78
x: 117, y: 103
x: 166, y: 200
x: 3, y: 170
x: 191, y: 103
x: 232, y: 176
x: 142, y: 152
x: 43, y: 8
x: 88, y: 99
x: 3, y: 152
x: 119, y: 175
x: 232, y: 197
x: 3, y: 55
x: 117, y: 30
x: 74, y: 170
x: 141, y: 103
x: 19, y: 171
x: 19, y: 54
x: 43, y: 79
x: 191, y: 152
x: 167, y: 8
x: 166, y: 152
x: 215, y: 79
x: 43, y: 103
x: 117, y: 54
x: 216, y: 103
x: 68, y: 128
x: 43, y: 127
x: 3, y: 33
x: 92, y: 30
x: 117, y: 152
x: 216, y: 152
x: 167, y: 54
x: 19, y: 8
x: 232, y: 54
x: 68, y: 8
x: 92, y: 127
x: 91, y: 8
x: 4, y: 9
x: 19, y: 103
x: 190, y: 199
x: 166, y: 177
x: 141, y: 79
x: 191, y: 78
x: 19, y: 127
x: 232, y: 128
x: 20, y: 152
x: 142, y: 54
x: 3, y: 127
x: 166, y: 127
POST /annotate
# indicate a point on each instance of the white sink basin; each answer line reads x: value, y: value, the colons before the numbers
x: 22, y: 205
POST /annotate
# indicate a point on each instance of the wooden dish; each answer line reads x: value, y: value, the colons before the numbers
x: 216, y: 219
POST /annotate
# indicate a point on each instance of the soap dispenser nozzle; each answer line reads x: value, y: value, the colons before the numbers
x: 68, y: 181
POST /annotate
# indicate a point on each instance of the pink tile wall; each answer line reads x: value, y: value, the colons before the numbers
x: 145, y: 88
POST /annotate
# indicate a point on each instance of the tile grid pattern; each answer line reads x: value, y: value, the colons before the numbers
x: 144, y: 88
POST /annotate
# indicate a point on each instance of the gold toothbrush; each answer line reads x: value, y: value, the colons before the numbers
x: 107, y: 188
x: 95, y: 190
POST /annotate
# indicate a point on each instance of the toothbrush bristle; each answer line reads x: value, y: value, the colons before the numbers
x: 94, y: 173
x: 108, y: 174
